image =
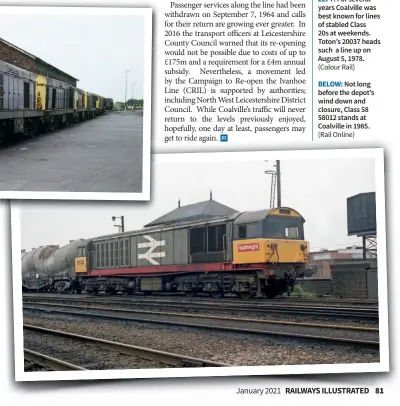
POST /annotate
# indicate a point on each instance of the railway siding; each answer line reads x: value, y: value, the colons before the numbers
x: 235, y: 349
x: 212, y: 323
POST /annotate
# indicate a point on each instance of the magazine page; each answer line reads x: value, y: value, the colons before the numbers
x: 198, y: 201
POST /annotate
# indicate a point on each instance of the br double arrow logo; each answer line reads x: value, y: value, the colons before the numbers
x: 152, y: 244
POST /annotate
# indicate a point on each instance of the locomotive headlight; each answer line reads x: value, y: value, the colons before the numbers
x: 303, y: 247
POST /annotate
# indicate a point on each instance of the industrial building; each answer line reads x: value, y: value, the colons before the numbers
x: 22, y: 59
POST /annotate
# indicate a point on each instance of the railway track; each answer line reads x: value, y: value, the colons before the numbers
x: 351, y: 335
x: 168, y: 358
x: 366, y: 313
x: 231, y: 299
x: 48, y: 362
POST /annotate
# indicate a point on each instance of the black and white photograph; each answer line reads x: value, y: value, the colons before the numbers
x: 75, y: 103
x: 242, y: 263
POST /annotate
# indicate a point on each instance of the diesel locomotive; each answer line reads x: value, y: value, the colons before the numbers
x: 251, y: 254
x: 31, y: 103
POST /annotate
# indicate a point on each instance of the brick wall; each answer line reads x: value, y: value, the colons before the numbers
x: 350, y: 280
x: 16, y: 58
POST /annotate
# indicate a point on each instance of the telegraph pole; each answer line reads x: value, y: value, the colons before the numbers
x: 126, y: 86
x: 278, y: 182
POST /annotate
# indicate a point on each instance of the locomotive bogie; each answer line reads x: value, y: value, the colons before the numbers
x: 216, y: 284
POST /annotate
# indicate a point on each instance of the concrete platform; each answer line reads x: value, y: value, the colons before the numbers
x: 99, y: 155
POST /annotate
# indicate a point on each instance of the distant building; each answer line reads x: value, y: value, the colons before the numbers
x: 24, y: 60
x: 119, y: 105
x: 322, y: 260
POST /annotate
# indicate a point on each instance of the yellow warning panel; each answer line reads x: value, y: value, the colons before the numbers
x: 268, y: 250
x: 40, y: 101
x: 80, y: 265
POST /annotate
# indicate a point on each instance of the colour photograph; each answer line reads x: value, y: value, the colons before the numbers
x: 243, y: 263
x: 75, y: 100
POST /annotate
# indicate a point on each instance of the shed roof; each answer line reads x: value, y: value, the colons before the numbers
x: 35, y: 58
x: 198, y: 211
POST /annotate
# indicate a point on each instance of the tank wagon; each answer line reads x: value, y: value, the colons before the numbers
x: 253, y: 253
x: 31, y: 103
x: 50, y: 268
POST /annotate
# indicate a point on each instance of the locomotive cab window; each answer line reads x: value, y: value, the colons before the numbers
x: 242, y: 232
x: 82, y: 252
x: 284, y: 227
x: 292, y: 232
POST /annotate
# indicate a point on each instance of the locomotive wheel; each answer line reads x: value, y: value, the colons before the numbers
x: 216, y: 294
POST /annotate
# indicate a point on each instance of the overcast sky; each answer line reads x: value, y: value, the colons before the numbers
x: 318, y: 189
x: 97, y: 50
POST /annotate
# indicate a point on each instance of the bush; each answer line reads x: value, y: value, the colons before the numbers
x: 298, y: 290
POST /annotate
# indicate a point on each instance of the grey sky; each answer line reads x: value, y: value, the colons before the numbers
x: 94, y: 49
x: 318, y: 189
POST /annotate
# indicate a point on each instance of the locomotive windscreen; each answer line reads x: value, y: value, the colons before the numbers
x: 283, y: 227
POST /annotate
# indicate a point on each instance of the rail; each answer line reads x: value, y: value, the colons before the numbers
x: 49, y: 362
x: 141, y: 352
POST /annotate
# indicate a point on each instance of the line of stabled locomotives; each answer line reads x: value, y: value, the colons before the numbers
x: 252, y: 254
x: 31, y: 103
